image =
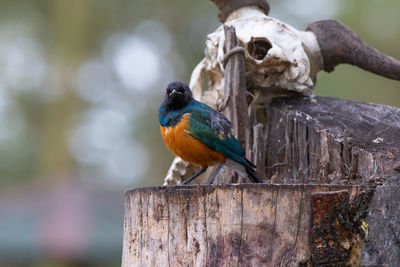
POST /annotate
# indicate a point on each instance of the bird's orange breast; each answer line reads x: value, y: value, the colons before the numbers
x: 181, y: 143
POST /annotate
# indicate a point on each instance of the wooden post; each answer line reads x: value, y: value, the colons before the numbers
x: 235, y: 104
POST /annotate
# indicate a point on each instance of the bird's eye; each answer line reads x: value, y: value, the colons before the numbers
x: 169, y: 91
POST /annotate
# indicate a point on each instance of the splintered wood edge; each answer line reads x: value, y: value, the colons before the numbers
x: 196, y: 187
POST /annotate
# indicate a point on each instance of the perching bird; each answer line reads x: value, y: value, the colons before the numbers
x: 199, y: 134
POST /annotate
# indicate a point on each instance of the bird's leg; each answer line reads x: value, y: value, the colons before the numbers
x: 215, y: 173
x: 188, y: 180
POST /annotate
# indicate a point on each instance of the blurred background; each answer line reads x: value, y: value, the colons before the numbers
x: 80, y: 85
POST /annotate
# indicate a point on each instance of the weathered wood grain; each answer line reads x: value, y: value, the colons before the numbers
x: 327, y: 140
x: 187, y: 227
x: 234, y: 106
x: 154, y: 232
x: 233, y: 225
x: 133, y: 227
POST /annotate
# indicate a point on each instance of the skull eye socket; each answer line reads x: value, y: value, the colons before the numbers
x: 258, y: 49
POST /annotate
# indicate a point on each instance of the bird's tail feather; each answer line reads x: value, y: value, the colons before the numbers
x: 251, y: 172
x: 243, y: 166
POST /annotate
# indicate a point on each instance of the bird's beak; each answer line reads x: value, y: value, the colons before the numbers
x: 174, y: 92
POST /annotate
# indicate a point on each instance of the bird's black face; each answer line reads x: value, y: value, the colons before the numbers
x: 177, y: 95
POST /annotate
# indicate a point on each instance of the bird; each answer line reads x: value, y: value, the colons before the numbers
x: 200, y: 135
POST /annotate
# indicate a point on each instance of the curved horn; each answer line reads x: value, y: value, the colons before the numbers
x: 226, y: 7
x: 339, y: 44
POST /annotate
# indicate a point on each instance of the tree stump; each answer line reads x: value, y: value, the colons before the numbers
x: 331, y: 196
x: 245, y: 225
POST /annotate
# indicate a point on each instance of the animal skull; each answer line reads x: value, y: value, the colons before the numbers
x: 275, y: 53
x: 277, y: 56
